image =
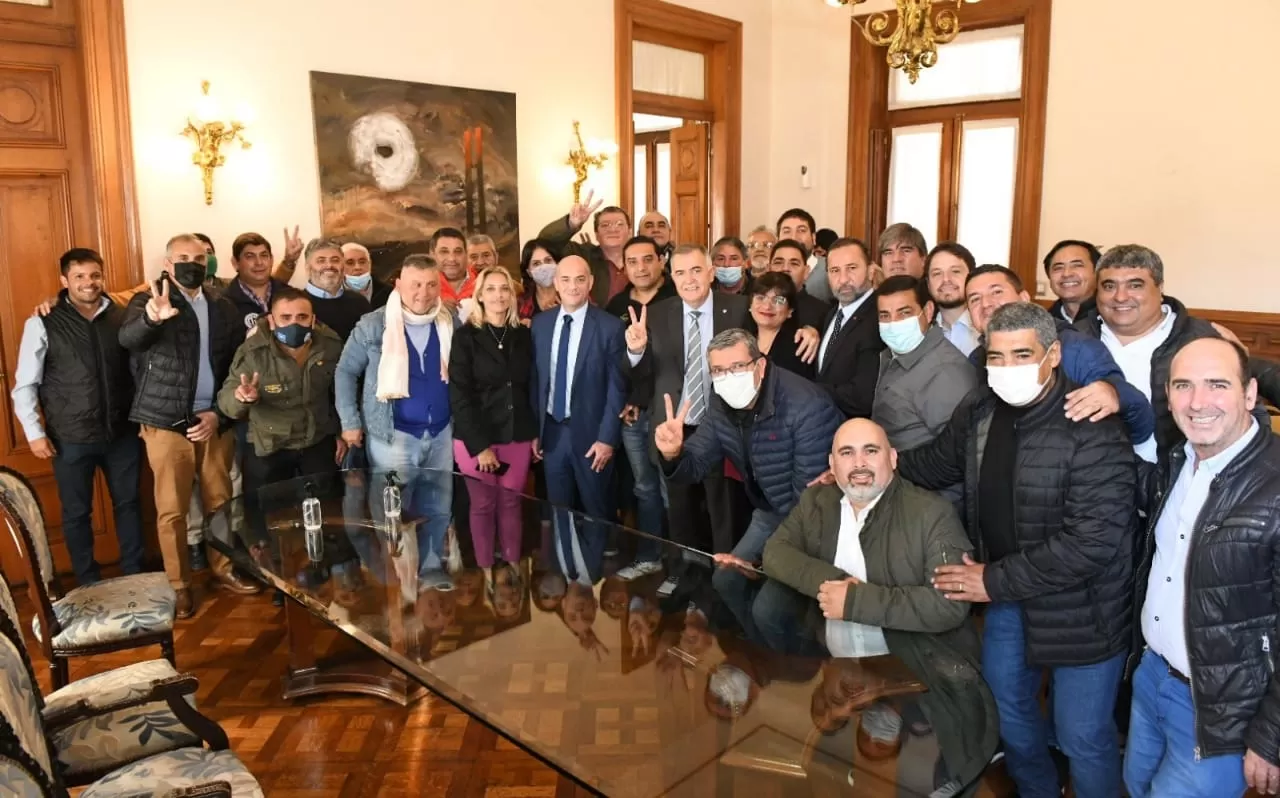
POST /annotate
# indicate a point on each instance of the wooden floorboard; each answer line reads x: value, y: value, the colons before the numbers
x: 335, y: 746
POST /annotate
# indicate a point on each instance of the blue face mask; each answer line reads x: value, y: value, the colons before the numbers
x: 359, y: 282
x: 902, y: 336
x: 728, y: 275
x: 293, y: 335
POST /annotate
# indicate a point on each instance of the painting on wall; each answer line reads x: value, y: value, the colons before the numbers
x: 399, y: 160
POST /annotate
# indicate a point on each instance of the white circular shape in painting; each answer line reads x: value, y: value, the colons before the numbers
x: 383, y: 147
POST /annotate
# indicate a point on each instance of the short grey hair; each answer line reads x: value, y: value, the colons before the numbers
x: 1133, y: 256
x: 1024, y: 316
x: 689, y: 249
x: 760, y: 228
x: 182, y: 238
x: 419, y: 260
x: 480, y: 239
x: 731, y: 338
x: 317, y: 244
x: 354, y: 246
x: 902, y: 233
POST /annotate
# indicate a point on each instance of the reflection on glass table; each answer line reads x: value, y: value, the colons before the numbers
x: 627, y: 693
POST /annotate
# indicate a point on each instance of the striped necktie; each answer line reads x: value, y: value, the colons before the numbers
x: 694, y: 390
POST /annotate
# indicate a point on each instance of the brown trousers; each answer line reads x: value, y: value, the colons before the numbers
x: 175, y: 462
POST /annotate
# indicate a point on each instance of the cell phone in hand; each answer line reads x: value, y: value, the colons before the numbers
x: 499, y: 471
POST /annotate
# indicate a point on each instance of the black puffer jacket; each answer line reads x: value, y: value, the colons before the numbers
x: 1232, y: 603
x: 1075, y: 512
x: 166, y: 356
x: 1186, y: 328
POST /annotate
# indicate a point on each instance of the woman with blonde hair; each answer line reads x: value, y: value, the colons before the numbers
x: 490, y: 368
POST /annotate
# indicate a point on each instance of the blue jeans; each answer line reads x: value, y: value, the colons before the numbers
x: 1083, y: 714
x: 648, y: 482
x: 427, y: 494
x: 73, y: 470
x: 781, y: 618
x: 1159, y: 758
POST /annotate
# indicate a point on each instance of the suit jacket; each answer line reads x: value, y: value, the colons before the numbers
x: 598, y: 389
x: 662, y: 365
x: 852, y: 364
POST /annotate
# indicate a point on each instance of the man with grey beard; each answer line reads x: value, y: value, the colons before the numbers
x: 863, y: 572
x: 335, y: 306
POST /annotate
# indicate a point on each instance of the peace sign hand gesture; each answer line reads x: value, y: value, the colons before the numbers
x: 669, y: 435
x: 158, y: 306
x: 247, y: 390
x: 638, y: 330
x: 580, y: 212
x: 292, y: 245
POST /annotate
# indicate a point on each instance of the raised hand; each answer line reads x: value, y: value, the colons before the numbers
x: 669, y: 435
x: 638, y: 330
x: 292, y: 244
x: 247, y: 390
x: 158, y: 308
x: 581, y: 211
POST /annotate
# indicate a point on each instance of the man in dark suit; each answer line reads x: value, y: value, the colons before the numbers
x: 580, y: 393
x: 849, y: 356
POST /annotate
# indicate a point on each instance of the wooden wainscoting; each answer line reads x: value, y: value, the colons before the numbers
x: 1258, y: 331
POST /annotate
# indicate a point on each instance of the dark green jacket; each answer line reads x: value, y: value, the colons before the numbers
x: 561, y: 234
x: 909, y: 533
x: 295, y: 407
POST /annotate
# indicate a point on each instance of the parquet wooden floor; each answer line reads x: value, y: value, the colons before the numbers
x: 342, y: 747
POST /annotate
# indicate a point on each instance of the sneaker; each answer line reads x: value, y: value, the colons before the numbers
x: 638, y: 569
x: 668, y: 587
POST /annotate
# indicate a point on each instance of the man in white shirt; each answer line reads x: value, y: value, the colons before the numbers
x: 860, y: 554
x: 1206, y: 703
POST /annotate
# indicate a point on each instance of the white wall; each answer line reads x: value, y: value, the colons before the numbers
x: 556, y: 55
x: 1170, y: 143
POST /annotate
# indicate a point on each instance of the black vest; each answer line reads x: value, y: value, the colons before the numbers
x: 86, y: 389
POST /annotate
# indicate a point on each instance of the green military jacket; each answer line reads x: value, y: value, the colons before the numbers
x: 295, y: 407
x: 909, y: 532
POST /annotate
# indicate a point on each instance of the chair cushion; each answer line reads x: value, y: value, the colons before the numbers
x: 113, y: 611
x: 17, y: 782
x: 188, y: 767
x: 105, y: 742
x: 19, y: 708
x: 109, y: 686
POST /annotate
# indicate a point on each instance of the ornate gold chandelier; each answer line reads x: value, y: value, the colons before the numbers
x: 914, y: 41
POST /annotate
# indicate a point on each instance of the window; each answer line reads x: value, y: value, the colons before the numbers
x: 959, y: 154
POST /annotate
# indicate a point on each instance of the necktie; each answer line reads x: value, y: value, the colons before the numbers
x: 560, y: 391
x: 694, y: 391
x: 836, y: 324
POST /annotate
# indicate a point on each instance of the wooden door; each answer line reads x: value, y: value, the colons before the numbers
x: 49, y: 202
x: 689, y: 169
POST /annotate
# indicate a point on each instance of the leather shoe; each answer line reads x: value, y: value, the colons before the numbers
x: 198, y: 561
x: 185, y: 606
x: 233, y: 582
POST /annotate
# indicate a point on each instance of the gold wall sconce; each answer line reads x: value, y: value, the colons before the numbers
x: 921, y: 26
x: 210, y: 134
x: 581, y: 160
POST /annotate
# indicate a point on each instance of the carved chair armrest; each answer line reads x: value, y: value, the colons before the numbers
x: 123, y: 697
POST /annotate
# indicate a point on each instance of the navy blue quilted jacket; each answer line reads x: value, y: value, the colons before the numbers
x: 795, y: 423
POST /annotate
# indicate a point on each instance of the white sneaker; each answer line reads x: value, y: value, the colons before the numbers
x: 638, y: 569
x: 668, y: 587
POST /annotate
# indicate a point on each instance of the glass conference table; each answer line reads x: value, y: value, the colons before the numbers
x: 625, y: 692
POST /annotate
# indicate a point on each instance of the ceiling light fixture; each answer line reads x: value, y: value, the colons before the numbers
x: 913, y: 43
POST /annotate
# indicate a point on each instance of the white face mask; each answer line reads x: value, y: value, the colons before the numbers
x: 544, y: 274
x: 737, y: 390
x: 1017, y: 385
x: 902, y: 336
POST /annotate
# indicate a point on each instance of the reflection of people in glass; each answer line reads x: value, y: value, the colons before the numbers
x: 493, y: 423
x: 469, y: 584
x: 578, y: 611
x: 505, y: 590
x: 865, y: 549
x: 613, y: 597
x: 436, y: 609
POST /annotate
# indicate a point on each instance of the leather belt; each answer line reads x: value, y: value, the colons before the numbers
x: 1174, y: 672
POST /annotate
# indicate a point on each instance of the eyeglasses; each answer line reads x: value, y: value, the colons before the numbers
x: 735, y: 368
x: 759, y: 244
x: 612, y: 226
x: 775, y: 300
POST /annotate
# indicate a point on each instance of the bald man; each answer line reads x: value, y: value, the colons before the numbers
x: 579, y: 393
x: 835, y: 562
x: 357, y: 271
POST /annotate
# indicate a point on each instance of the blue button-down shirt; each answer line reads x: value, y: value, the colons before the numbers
x: 205, y: 387
x: 575, y: 338
x: 1164, y: 612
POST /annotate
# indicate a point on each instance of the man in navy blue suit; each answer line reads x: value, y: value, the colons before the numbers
x: 579, y: 396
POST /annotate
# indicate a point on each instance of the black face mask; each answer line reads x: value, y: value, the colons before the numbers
x: 189, y: 274
x: 293, y: 335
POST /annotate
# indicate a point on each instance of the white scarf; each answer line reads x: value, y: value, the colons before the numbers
x: 393, y: 370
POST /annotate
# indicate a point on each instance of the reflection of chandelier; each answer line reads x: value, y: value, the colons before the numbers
x: 914, y: 41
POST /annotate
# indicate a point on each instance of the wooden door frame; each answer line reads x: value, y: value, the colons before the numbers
x: 720, y: 40
x: 869, y: 134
